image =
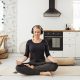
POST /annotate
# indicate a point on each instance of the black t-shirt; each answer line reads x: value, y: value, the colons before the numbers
x: 37, y: 51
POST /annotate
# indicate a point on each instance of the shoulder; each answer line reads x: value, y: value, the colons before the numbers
x: 29, y: 41
x: 44, y: 41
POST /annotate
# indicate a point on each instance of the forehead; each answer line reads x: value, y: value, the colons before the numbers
x: 35, y: 28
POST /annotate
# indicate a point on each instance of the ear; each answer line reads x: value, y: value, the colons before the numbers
x: 32, y: 31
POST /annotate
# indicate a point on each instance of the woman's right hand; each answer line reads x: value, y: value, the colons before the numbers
x: 18, y: 62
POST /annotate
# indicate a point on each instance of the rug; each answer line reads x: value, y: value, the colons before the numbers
x: 61, y: 71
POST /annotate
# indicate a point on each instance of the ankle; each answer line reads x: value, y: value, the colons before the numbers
x: 45, y: 73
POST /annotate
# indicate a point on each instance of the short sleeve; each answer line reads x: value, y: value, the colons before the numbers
x: 46, y: 48
x: 27, y: 50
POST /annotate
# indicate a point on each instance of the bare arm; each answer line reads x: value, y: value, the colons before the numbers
x: 52, y: 59
x: 21, y: 60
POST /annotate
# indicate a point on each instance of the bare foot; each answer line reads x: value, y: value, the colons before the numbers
x: 45, y: 73
x: 52, y: 73
x: 31, y: 66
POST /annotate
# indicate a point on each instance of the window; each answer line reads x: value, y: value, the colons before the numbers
x: 76, y: 14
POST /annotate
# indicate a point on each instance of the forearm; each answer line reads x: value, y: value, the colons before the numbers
x: 22, y: 59
x: 52, y: 59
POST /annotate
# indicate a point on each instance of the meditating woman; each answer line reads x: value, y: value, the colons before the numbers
x: 37, y: 50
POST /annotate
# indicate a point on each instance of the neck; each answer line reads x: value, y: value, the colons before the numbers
x: 36, y: 38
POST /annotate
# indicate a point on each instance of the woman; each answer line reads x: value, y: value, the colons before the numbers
x: 35, y: 50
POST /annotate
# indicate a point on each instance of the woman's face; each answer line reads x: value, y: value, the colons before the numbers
x: 36, y: 32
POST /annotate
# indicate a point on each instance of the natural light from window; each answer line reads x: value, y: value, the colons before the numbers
x: 76, y: 14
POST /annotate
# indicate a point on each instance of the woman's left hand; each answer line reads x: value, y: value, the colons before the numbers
x: 52, y: 59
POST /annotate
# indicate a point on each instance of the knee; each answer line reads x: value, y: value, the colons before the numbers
x: 17, y: 68
x: 54, y: 66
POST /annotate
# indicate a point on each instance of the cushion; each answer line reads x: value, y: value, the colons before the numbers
x: 66, y: 61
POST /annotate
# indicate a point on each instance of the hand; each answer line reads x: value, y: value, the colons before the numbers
x: 52, y: 59
x: 18, y: 62
x: 31, y: 66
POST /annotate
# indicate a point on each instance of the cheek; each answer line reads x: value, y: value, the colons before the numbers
x: 36, y: 34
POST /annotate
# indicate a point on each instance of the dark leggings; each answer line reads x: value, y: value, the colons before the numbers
x: 48, y: 66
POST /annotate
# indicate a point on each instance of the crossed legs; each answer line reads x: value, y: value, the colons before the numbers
x: 37, y: 70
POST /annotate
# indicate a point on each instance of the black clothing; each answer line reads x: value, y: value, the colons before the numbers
x: 48, y: 66
x: 36, y: 51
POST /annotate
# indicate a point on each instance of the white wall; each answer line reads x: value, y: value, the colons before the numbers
x: 1, y: 16
x: 9, y: 26
x: 30, y: 12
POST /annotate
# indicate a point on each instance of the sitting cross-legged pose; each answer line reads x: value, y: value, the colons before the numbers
x: 37, y: 50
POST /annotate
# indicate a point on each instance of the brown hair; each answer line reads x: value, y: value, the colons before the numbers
x: 39, y: 27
